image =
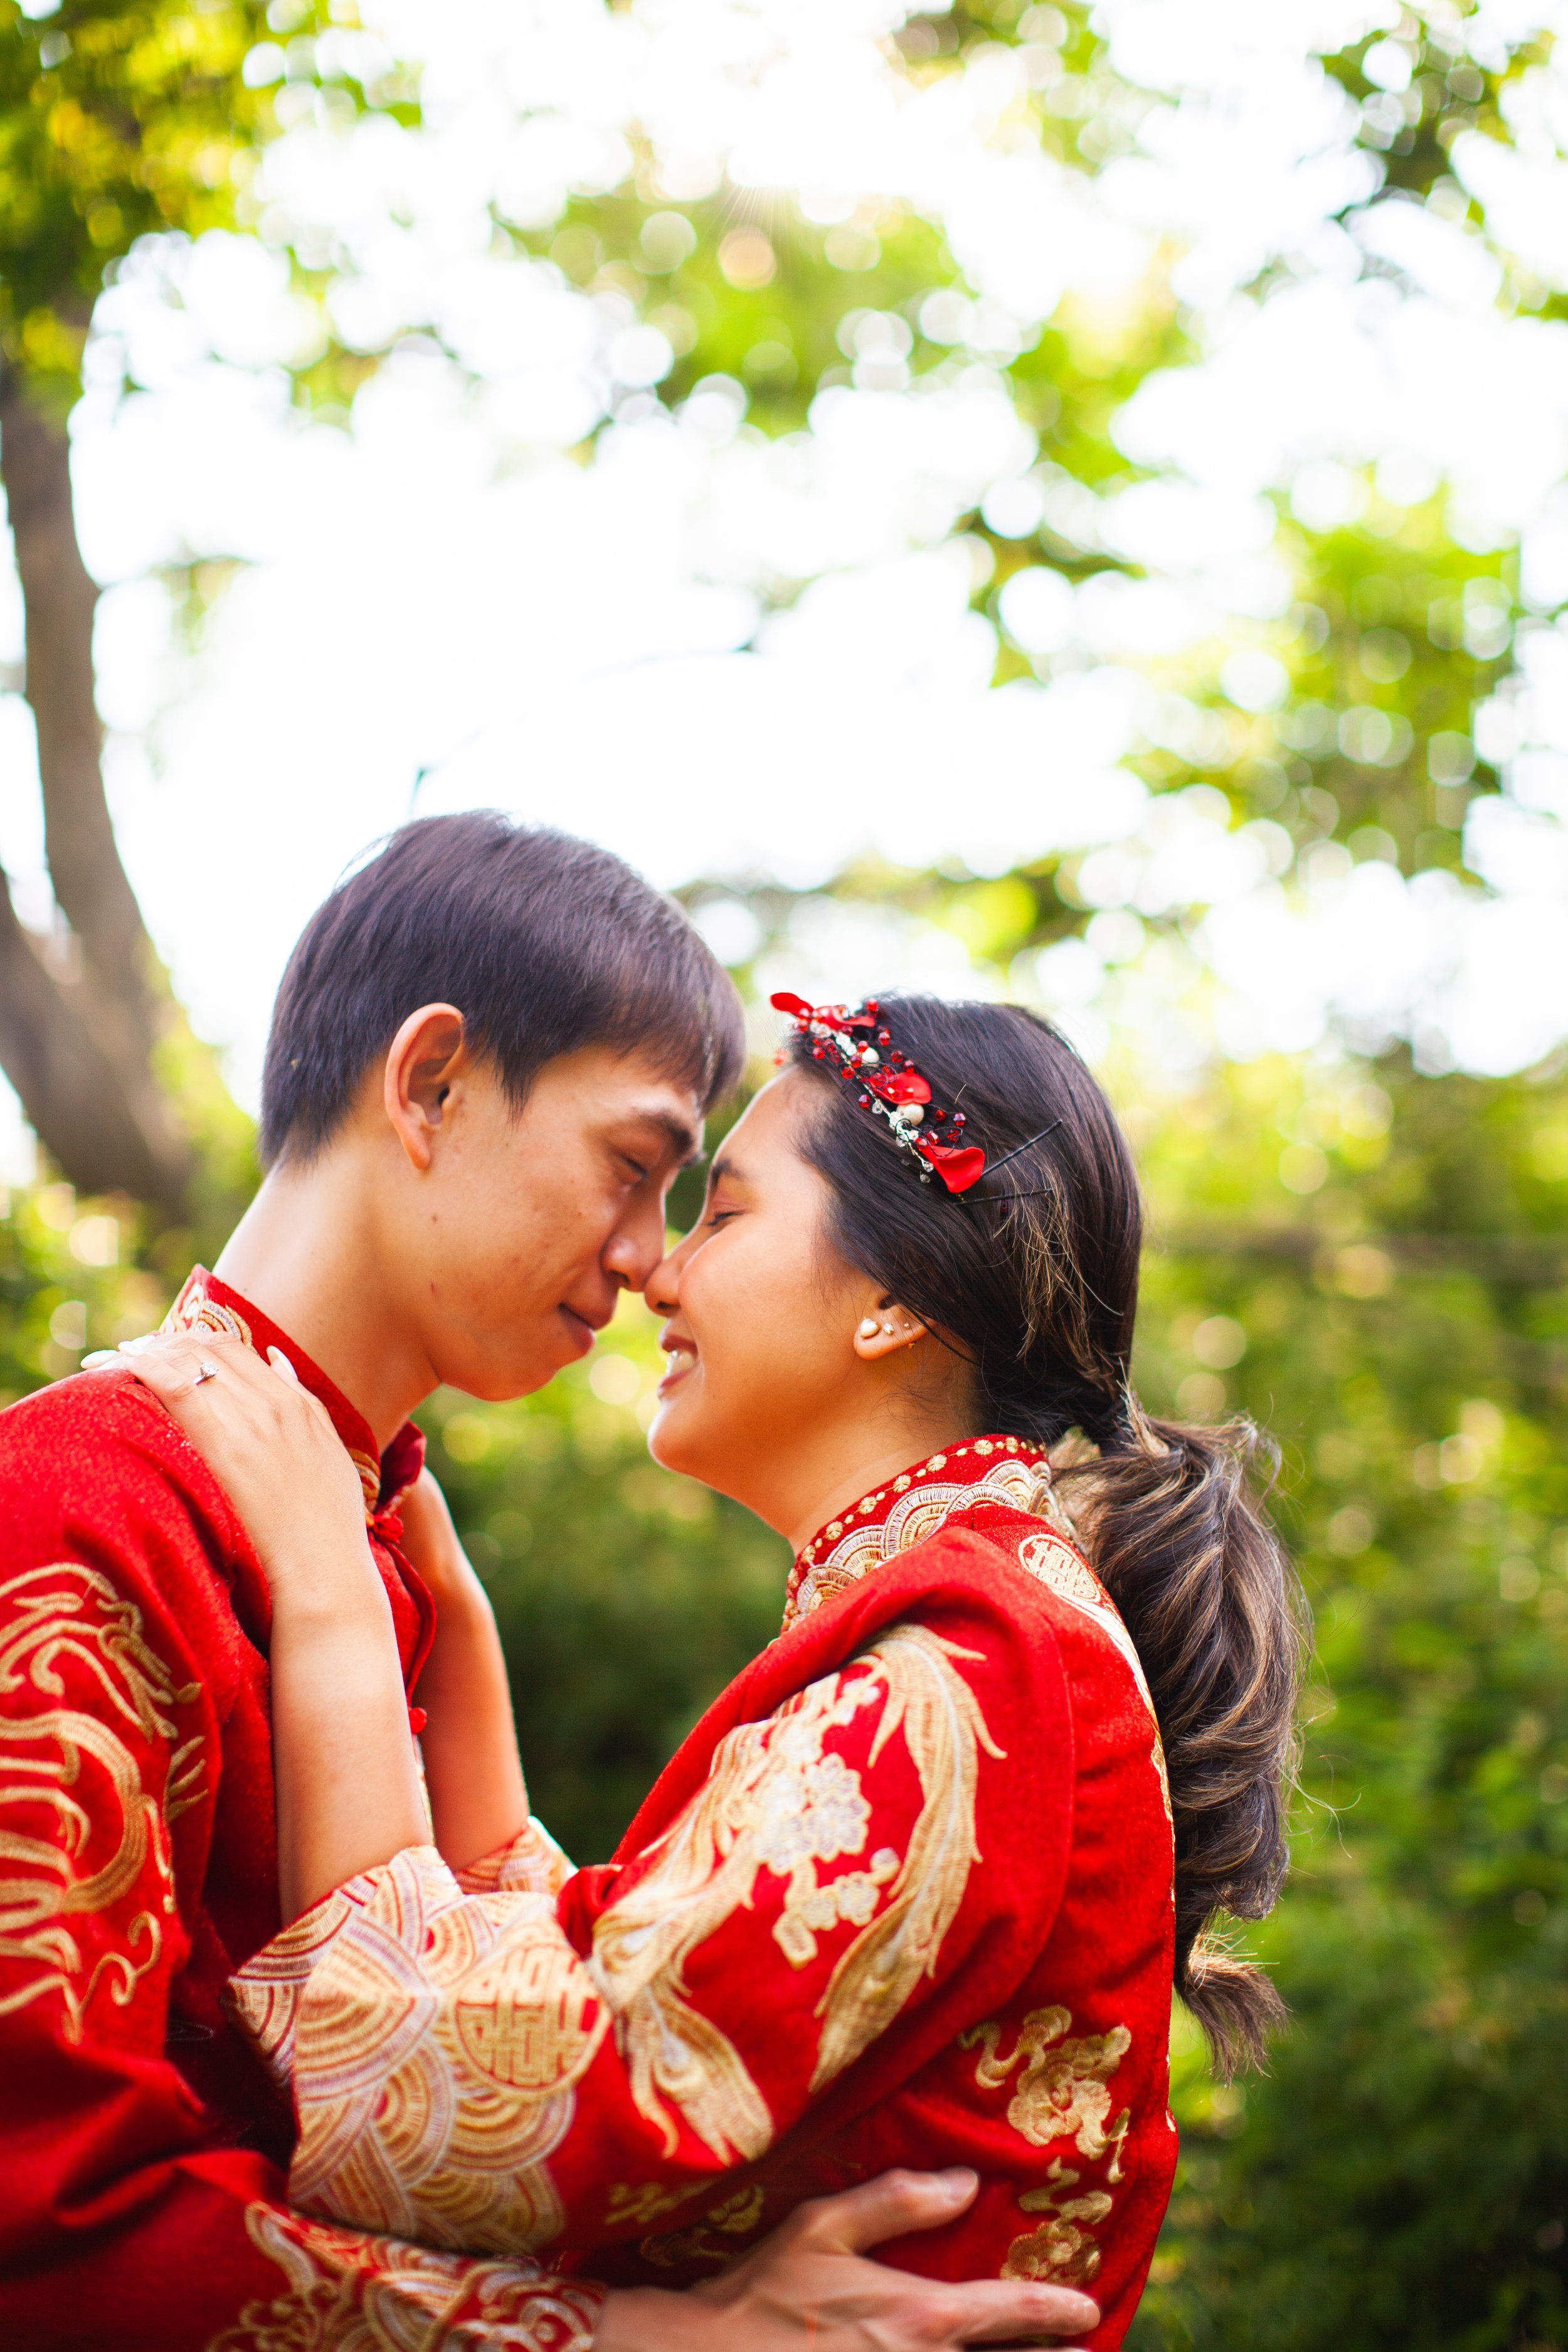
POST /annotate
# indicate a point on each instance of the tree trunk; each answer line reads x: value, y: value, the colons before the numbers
x: 97, y: 1034
x: 68, y: 1087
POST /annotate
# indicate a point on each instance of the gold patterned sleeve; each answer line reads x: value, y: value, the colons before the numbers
x: 347, y: 2290
x: 493, y: 2071
x: 533, y: 1864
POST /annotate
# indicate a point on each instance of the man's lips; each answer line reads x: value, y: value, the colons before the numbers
x: 581, y: 1326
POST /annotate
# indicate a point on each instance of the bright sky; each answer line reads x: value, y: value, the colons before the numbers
x: 437, y: 608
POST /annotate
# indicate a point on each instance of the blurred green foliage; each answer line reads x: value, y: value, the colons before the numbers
x: 1377, y: 1268
x: 126, y: 119
x: 118, y: 117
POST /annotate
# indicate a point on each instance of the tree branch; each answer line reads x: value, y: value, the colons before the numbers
x: 120, y: 1007
x: 70, y: 1090
x: 60, y: 597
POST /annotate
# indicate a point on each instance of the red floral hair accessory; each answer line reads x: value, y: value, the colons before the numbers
x: 858, y: 1049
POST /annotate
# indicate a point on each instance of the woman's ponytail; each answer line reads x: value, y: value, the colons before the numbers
x: 1169, y: 1518
x: 1032, y: 1279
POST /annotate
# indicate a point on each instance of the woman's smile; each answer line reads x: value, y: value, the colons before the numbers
x: 682, y: 1354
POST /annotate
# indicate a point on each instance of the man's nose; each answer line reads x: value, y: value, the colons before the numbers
x: 635, y: 1248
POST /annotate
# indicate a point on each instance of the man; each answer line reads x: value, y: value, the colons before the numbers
x: 492, y: 1050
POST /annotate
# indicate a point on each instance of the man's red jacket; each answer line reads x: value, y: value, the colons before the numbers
x: 141, y: 2147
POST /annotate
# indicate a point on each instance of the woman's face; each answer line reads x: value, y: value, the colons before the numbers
x: 762, y: 1312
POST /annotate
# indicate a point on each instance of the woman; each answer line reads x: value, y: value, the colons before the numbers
x: 916, y: 1889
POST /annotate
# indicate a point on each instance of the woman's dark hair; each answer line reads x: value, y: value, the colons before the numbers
x: 1032, y: 1277
x: 545, y: 943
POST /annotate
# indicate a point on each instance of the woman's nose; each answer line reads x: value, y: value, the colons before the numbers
x: 662, y: 1289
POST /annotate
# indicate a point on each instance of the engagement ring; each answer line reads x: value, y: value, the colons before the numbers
x: 204, y: 1371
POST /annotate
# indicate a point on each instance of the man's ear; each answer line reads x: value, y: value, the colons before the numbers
x: 427, y: 1054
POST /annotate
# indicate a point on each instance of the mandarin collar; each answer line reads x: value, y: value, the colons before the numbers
x: 911, y: 1507
x: 205, y: 1304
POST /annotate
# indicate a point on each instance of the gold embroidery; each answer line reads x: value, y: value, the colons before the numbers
x: 436, y: 2058
x: 944, y: 1729
x: 183, y: 1788
x: 1061, y: 2093
x: 435, y: 2062
x: 264, y: 1999
x: 524, y: 2020
x: 197, y: 1310
x: 531, y: 1865
x: 1059, y: 2250
x: 644, y: 2202
x: 347, y: 2291
x: 740, y: 2214
x: 771, y: 1799
x: 69, y: 1614
x: 774, y: 1800
x: 853, y: 1898
x: 916, y: 1516
x: 737, y: 2217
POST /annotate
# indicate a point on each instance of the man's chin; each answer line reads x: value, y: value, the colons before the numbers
x: 498, y: 1376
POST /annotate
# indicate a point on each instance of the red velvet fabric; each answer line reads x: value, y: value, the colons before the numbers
x: 138, y: 1865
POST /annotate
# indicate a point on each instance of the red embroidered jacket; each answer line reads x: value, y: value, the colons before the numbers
x: 142, y: 2199
x: 904, y: 1897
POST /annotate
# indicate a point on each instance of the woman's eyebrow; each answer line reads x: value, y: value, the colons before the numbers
x: 724, y: 1167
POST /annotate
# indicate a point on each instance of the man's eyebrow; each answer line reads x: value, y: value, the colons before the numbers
x: 684, y: 1139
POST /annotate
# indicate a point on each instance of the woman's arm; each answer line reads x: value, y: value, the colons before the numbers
x: 478, y: 1798
x: 668, y: 2017
x: 343, y: 1763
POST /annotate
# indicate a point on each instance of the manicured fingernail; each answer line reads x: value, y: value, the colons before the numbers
x: 102, y: 1360
x: 280, y: 1363
x: 138, y: 1346
x: 960, y: 2180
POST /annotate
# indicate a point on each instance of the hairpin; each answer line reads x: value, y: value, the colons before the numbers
x: 1017, y: 1151
x: 886, y: 1083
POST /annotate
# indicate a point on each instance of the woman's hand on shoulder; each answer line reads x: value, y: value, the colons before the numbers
x: 272, y: 1447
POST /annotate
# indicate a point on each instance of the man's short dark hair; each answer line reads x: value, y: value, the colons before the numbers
x: 545, y: 944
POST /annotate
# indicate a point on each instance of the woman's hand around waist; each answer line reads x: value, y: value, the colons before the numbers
x: 272, y: 1448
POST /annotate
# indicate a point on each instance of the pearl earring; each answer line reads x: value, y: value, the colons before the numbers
x: 868, y: 1327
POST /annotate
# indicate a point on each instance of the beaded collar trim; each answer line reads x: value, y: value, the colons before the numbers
x: 919, y: 1501
x: 908, y: 1509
